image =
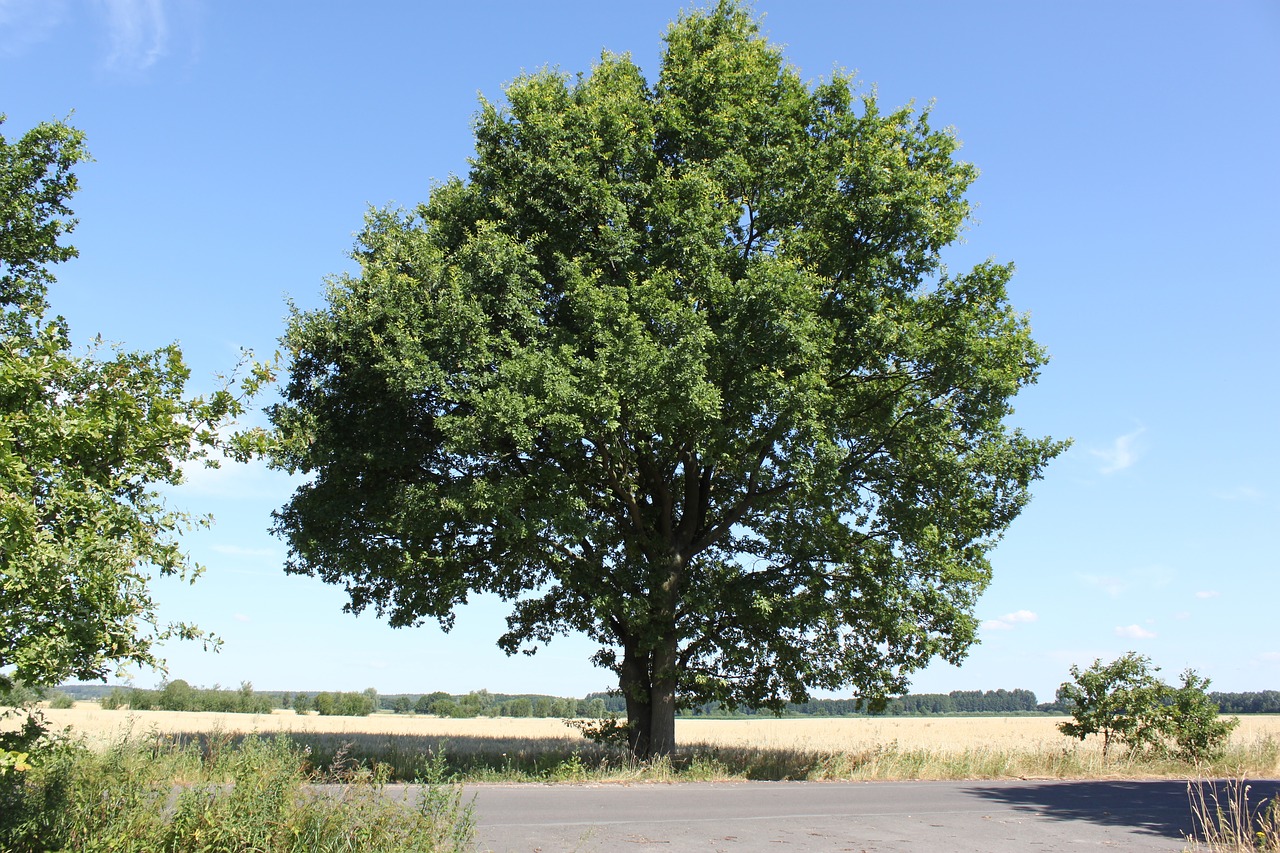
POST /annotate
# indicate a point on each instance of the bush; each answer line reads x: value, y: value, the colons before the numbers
x: 1125, y: 702
x: 1193, y: 721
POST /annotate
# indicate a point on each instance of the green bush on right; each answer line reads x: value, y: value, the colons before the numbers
x: 1126, y: 702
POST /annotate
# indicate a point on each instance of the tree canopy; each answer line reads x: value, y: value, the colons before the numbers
x: 676, y: 365
x: 86, y: 440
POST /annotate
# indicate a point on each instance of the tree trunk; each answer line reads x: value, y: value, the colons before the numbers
x: 648, y: 682
x: 662, y: 699
x: 649, y: 674
x: 634, y: 682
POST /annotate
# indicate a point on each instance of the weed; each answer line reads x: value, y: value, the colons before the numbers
x: 1227, y: 822
x: 221, y: 794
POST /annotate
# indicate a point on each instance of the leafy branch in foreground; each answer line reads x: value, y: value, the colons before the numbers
x: 86, y: 443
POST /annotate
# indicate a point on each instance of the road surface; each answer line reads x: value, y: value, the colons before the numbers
x: 877, y: 817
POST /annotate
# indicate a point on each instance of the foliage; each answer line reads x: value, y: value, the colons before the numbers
x: 606, y: 731
x: 247, y: 796
x: 343, y: 704
x: 1124, y: 701
x: 1252, y: 702
x: 17, y: 693
x: 677, y: 366
x: 1192, y: 722
x: 178, y: 695
x: 86, y: 442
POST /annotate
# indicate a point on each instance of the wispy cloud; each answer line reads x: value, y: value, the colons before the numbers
x: 1207, y: 593
x: 1144, y: 578
x: 1009, y: 620
x: 1244, y: 494
x: 27, y: 23
x: 243, y: 481
x: 1269, y: 657
x: 1112, y: 586
x: 240, y: 617
x: 1135, y: 632
x: 241, y: 551
x: 138, y: 31
x: 1122, y: 453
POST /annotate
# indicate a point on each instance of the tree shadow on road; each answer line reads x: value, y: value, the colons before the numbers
x: 1154, y: 807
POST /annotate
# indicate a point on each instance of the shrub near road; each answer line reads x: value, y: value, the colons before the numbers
x: 250, y: 795
x: 1125, y: 702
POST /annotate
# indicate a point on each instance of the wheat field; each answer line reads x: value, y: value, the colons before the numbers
x: 937, y: 734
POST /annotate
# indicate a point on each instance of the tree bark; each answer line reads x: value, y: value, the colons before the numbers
x: 662, y: 699
x: 634, y: 682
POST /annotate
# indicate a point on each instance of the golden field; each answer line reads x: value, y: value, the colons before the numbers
x: 935, y: 734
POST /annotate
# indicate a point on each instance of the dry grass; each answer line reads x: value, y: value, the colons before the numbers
x: 88, y: 719
x: 860, y: 748
x: 955, y: 734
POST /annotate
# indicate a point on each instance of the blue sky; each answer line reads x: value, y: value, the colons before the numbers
x: 1128, y: 168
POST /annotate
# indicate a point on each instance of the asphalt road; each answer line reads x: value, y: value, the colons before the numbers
x: 878, y: 817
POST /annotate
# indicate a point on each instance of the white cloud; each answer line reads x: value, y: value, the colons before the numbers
x: 1269, y: 657
x: 240, y: 617
x: 1122, y: 453
x: 139, y: 33
x: 1135, y: 632
x: 1207, y: 593
x: 1009, y: 620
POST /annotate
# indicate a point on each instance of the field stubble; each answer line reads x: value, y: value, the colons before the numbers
x: 852, y: 748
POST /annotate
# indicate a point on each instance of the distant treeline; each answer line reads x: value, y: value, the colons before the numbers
x: 912, y: 704
x: 177, y: 695
x: 482, y: 703
x: 1263, y: 702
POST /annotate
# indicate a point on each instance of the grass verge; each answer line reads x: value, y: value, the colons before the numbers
x: 411, y: 758
x: 219, y: 793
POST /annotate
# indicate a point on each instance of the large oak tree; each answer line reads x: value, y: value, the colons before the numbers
x: 676, y: 366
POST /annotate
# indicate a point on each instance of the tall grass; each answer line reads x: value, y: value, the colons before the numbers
x: 516, y: 759
x: 216, y: 794
x: 1226, y: 821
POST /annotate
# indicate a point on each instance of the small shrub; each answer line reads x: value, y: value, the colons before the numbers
x: 1193, y: 723
x: 1125, y: 702
x: 606, y: 731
